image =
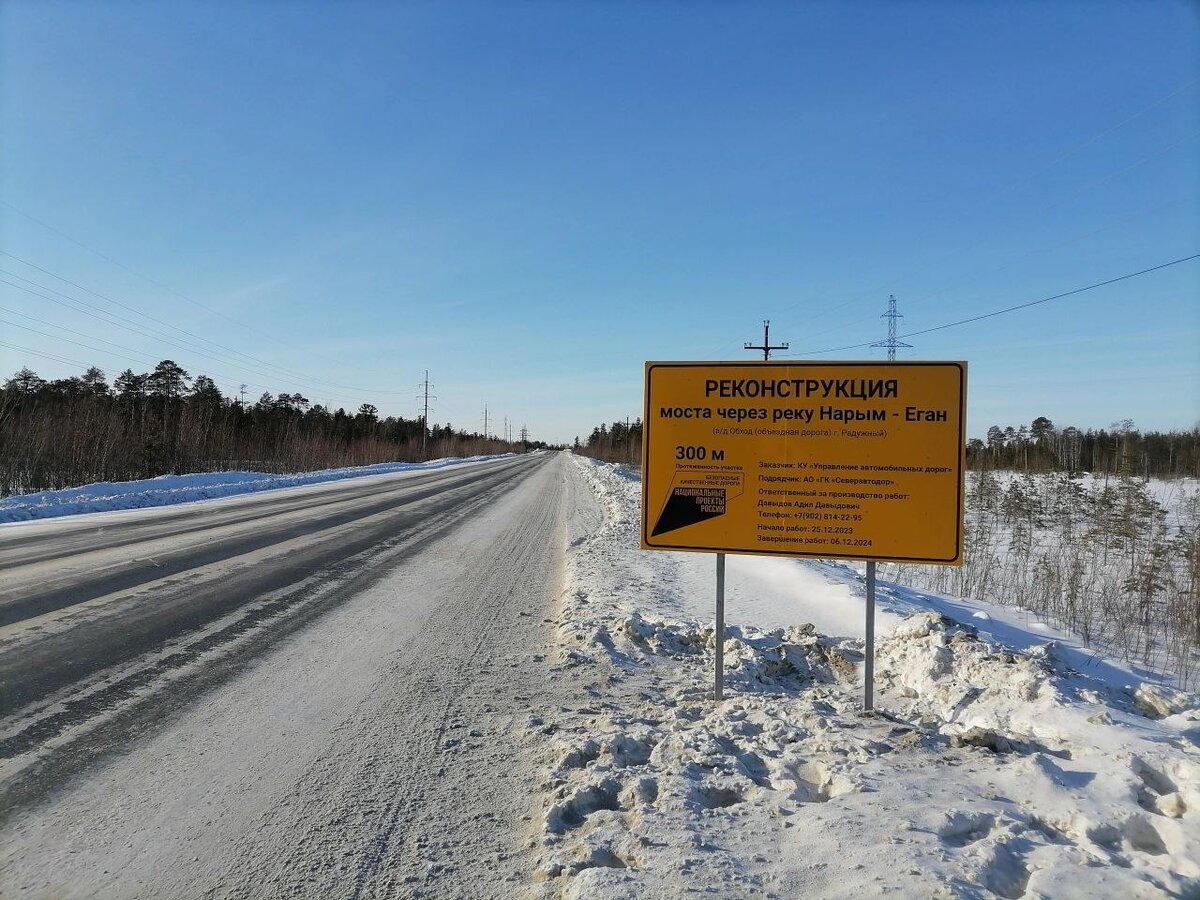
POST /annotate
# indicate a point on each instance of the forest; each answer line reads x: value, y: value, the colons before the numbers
x: 79, y: 430
x: 1041, y: 447
x: 1037, y: 447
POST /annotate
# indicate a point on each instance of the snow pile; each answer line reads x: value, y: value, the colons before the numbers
x: 1108, y: 557
x: 991, y: 770
x: 168, y: 490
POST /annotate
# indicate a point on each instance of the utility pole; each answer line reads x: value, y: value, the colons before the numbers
x: 766, y: 346
x: 718, y: 686
x: 424, y: 397
x: 891, y: 343
x: 869, y: 655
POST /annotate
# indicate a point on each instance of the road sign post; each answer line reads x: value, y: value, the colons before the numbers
x: 869, y: 643
x: 719, y: 636
x: 835, y: 460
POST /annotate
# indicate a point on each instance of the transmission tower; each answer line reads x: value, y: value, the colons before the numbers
x: 766, y: 347
x: 524, y: 434
x: 891, y: 343
x: 485, y: 421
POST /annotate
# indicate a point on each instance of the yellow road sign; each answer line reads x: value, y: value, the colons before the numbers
x: 845, y: 460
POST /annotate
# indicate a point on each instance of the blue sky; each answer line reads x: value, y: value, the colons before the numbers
x: 532, y: 199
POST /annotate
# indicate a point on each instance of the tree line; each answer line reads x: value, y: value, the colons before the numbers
x: 1116, y: 450
x: 78, y: 430
x: 1038, y: 447
x: 620, y: 442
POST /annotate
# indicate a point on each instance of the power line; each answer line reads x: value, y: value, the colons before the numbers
x: 58, y: 337
x: 124, y: 322
x: 1041, y: 210
x: 172, y: 291
x: 284, y: 371
x: 13, y: 312
x: 126, y: 306
x: 85, y: 365
x: 1025, y: 179
x: 132, y: 271
x: 56, y: 358
x: 108, y: 299
x: 852, y: 324
x: 1008, y: 309
x: 136, y: 355
x: 1090, y: 287
x: 1056, y: 245
x: 1141, y: 112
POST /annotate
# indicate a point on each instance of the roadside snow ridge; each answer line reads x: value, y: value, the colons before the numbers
x: 990, y: 771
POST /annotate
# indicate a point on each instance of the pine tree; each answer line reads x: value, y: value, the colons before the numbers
x: 25, y: 382
x: 168, y: 380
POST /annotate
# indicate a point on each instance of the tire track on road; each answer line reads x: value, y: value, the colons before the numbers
x: 102, y: 678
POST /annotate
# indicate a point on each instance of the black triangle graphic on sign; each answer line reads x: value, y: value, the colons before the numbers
x: 687, y: 506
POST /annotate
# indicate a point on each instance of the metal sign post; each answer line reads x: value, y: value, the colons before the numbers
x: 719, y: 683
x: 869, y: 659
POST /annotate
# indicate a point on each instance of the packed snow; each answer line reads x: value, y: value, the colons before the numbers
x: 1005, y: 759
x: 168, y: 490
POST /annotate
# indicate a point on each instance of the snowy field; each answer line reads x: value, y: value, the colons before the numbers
x: 169, y: 490
x: 1006, y: 760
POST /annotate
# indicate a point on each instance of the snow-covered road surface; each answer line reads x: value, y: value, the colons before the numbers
x: 82, y: 595
x: 475, y: 684
x: 319, y: 695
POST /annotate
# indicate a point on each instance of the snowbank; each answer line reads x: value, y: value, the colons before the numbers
x: 168, y: 490
x: 992, y: 769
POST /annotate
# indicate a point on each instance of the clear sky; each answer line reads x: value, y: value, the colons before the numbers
x: 530, y: 199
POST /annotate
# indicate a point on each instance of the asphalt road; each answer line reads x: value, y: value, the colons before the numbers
x: 323, y: 691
